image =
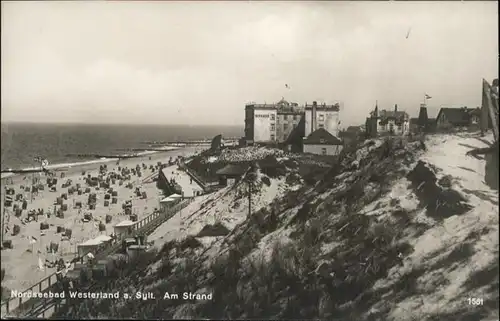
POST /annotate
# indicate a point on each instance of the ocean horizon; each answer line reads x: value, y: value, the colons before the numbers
x: 60, y: 143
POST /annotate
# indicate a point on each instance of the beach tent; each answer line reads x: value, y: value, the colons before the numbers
x: 123, y: 226
x: 91, y: 245
x: 167, y: 202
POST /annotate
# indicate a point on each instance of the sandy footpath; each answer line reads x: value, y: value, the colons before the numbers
x: 22, y: 262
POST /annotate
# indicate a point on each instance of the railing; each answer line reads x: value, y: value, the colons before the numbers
x: 148, y: 224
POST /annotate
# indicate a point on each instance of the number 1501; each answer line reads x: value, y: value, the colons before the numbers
x: 475, y: 301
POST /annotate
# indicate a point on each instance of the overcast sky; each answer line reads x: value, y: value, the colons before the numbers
x: 200, y: 62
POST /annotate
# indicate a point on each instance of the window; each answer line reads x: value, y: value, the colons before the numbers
x: 323, y: 151
x: 321, y: 117
x: 285, y: 116
x: 322, y: 140
x: 294, y: 117
x: 272, y: 137
x: 273, y: 128
x: 285, y: 126
x: 273, y: 116
x: 321, y: 126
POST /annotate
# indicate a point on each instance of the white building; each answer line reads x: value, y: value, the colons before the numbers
x: 322, y: 116
x: 276, y: 122
x: 321, y: 142
x: 260, y: 123
x: 393, y: 122
x: 91, y: 246
x: 123, y: 227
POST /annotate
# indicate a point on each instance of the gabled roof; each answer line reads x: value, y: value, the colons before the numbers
x: 456, y: 116
x: 392, y: 114
x: 233, y: 169
x: 96, y: 241
x: 125, y: 223
x: 322, y: 137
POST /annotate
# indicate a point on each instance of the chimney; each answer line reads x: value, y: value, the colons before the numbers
x: 396, y: 108
x: 313, y: 112
x: 376, y: 109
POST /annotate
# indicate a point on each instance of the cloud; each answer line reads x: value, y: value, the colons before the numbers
x: 168, y: 62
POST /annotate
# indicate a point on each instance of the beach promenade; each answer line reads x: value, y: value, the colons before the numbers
x: 189, y: 186
x: 30, y: 260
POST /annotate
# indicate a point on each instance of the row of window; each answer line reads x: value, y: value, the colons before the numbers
x: 285, y: 126
x: 321, y: 117
x: 391, y: 126
x: 285, y: 116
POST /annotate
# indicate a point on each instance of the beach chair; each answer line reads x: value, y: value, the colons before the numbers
x: 16, y: 230
x: 67, y: 233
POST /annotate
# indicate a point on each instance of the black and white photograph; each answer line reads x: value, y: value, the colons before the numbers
x: 232, y: 160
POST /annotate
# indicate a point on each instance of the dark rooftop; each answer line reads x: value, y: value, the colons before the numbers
x: 322, y: 137
x: 458, y: 116
x: 233, y: 170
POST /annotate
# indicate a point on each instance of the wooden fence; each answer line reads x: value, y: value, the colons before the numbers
x: 22, y: 305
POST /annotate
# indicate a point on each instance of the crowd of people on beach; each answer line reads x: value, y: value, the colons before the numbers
x: 249, y: 153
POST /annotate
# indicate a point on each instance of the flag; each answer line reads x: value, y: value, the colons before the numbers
x: 40, y: 264
x: 286, y: 86
x: 427, y: 96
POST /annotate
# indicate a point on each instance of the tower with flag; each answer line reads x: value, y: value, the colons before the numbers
x: 426, y: 97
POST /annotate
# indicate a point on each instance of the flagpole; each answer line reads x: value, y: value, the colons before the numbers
x: 425, y: 100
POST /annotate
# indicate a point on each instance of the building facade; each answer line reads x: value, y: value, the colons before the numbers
x: 322, y: 116
x: 393, y: 122
x: 276, y: 122
x: 448, y: 118
x: 388, y: 122
x: 288, y: 118
x: 260, y: 123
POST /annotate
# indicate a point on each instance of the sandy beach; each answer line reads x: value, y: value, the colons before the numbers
x: 21, y: 263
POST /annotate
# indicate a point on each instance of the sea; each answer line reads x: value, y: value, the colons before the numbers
x: 66, y: 143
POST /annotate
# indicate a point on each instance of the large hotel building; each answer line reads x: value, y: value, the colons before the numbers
x: 274, y: 123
